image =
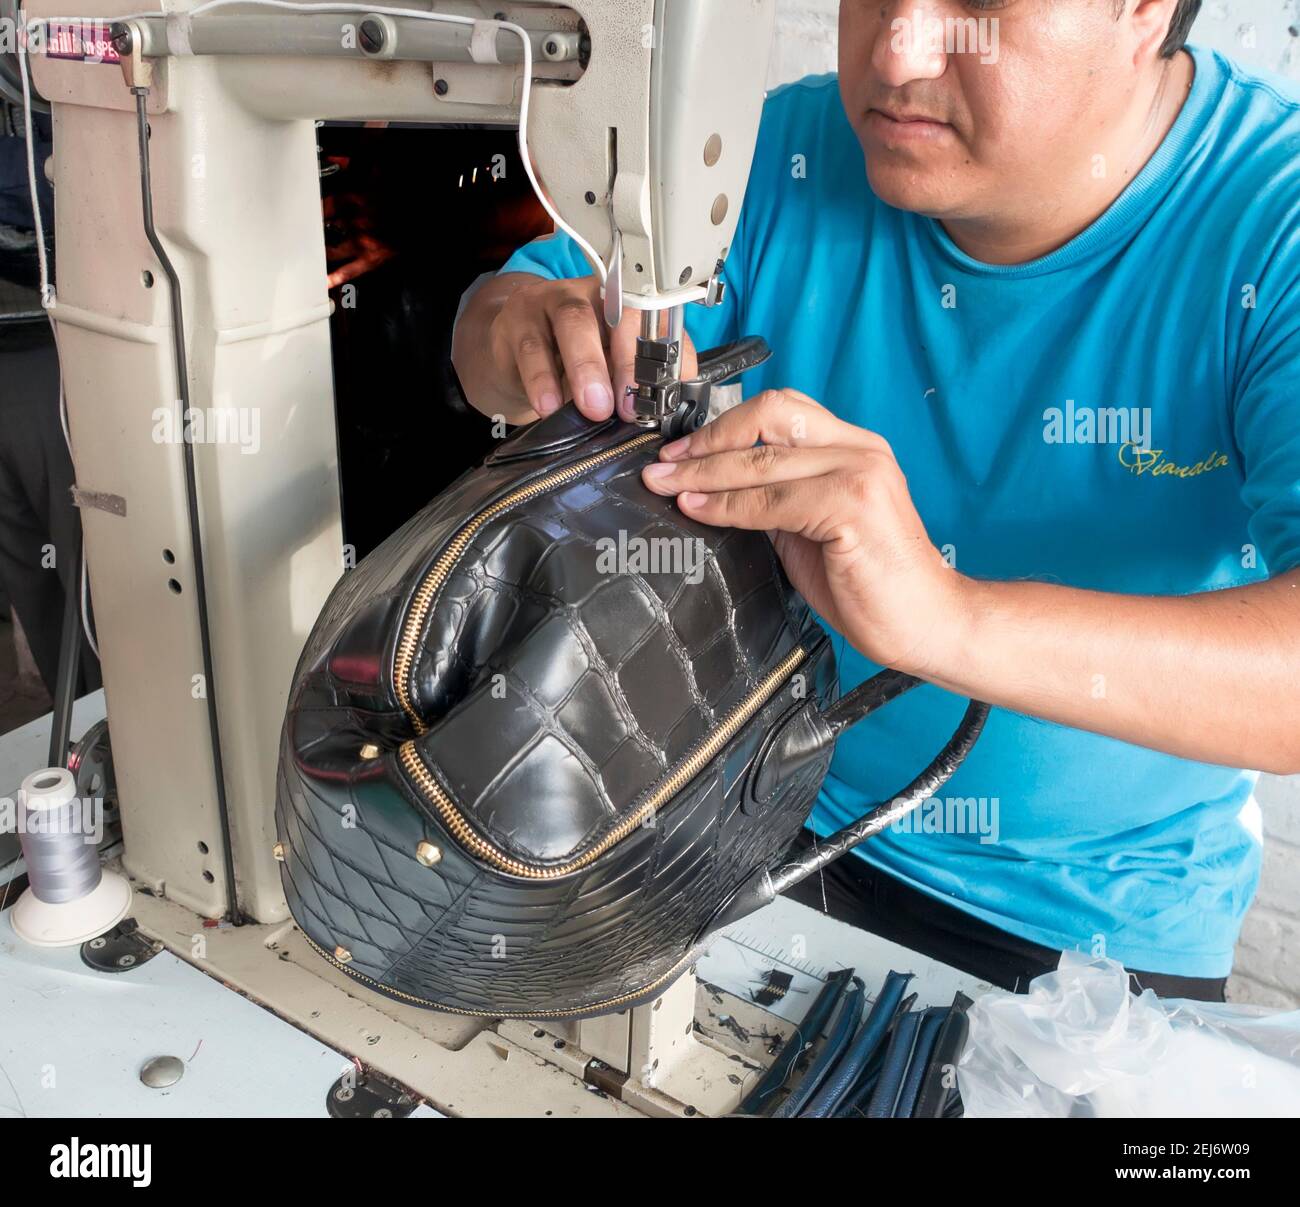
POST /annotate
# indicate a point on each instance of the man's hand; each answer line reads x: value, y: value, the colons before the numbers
x: 524, y: 345
x: 1209, y: 677
x: 837, y: 507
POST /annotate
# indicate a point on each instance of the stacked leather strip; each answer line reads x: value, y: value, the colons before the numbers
x: 847, y: 1059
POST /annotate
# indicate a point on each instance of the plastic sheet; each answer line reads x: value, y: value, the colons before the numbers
x: 1080, y: 1044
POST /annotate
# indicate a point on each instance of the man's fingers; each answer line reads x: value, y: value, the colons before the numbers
x: 779, y: 417
x: 739, y: 469
x: 535, y: 361
x: 578, y: 336
x: 797, y: 507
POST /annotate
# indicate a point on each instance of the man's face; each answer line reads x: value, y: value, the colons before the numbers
x: 976, y: 113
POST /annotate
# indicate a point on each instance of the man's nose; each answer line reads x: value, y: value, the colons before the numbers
x: 910, y: 43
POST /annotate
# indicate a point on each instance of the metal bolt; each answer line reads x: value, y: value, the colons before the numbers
x: 382, y: 1113
x: 121, y: 37
x: 591, y: 197
x: 441, y: 87
x: 343, y: 1094
x: 125, y: 961
x: 162, y: 1071
x: 428, y: 854
x: 372, y: 36
x: 96, y: 944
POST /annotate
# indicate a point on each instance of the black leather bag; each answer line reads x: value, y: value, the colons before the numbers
x: 552, y: 735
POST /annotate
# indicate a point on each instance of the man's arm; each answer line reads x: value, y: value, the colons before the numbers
x: 1212, y: 677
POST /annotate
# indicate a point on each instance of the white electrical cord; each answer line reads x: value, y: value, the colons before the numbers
x: 31, y: 171
x: 47, y: 300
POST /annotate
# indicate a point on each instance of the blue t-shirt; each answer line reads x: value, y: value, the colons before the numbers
x: 1122, y: 414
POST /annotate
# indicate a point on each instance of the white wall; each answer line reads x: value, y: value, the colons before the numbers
x: 1258, y: 34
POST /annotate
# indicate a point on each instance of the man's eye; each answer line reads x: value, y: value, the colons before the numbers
x: 985, y: 6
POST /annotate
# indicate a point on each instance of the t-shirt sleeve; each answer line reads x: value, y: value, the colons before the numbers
x: 554, y: 257
x: 1266, y: 420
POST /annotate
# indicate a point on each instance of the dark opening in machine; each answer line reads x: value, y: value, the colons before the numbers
x: 414, y: 215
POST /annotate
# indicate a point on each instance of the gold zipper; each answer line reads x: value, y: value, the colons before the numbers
x: 700, y: 756
x: 609, y: 1004
x: 409, y: 641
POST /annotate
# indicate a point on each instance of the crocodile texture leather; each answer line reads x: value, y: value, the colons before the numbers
x: 558, y: 682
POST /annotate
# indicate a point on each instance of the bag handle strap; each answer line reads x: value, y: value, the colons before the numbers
x: 808, y: 735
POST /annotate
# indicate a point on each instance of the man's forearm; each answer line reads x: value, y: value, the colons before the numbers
x: 471, y: 354
x: 1213, y: 677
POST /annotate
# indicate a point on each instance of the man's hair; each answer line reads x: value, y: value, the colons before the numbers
x: 1179, y: 26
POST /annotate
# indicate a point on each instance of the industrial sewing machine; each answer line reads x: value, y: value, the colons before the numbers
x: 191, y: 277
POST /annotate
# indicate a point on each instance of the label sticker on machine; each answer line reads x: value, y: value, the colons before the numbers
x: 81, y: 41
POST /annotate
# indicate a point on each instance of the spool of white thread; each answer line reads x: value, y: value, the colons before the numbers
x: 70, y: 898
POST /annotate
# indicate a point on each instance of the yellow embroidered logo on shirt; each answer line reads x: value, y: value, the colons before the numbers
x: 1138, y: 460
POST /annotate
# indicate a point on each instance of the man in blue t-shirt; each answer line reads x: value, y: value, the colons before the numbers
x: 1063, y: 298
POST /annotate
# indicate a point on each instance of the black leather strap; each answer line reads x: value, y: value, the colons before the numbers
x: 837, y: 1042
x: 808, y: 734
x: 796, y: 1044
x: 884, y: 815
x: 865, y: 699
x: 719, y: 365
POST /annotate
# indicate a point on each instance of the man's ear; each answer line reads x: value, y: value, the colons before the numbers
x: 1149, y: 22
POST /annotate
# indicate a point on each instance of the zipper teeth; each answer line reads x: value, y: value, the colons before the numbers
x: 423, y: 1001
x: 409, y: 640
x: 664, y: 790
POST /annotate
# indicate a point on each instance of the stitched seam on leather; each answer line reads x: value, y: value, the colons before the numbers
x: 450, y: 917
x: 337, y: 857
